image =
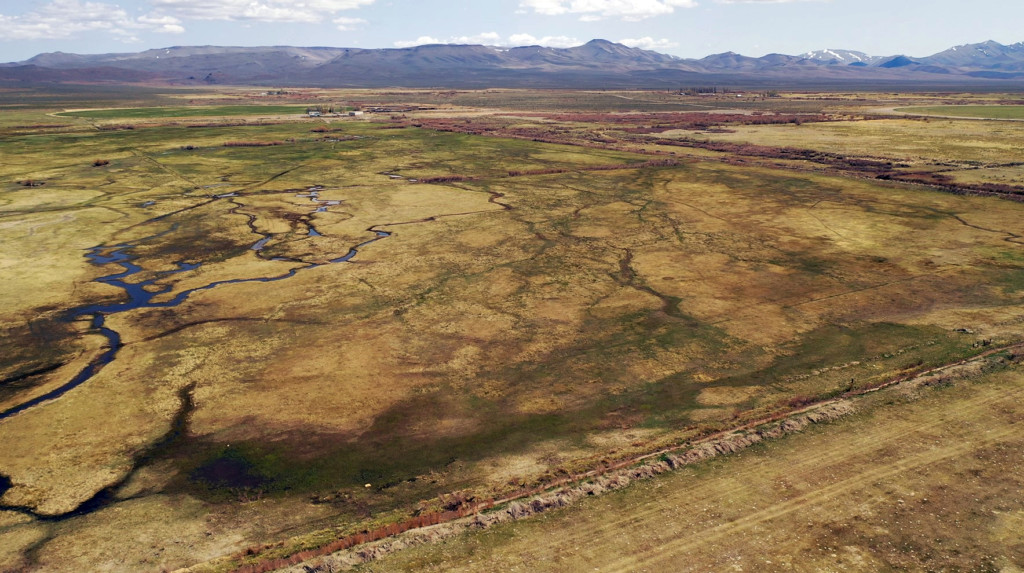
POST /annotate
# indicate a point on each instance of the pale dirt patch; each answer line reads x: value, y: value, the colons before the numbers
x: 624, y: 300
x: 710, y: 414
x: 535, y: 460
x: 610, y: 440
x: 726, y: 395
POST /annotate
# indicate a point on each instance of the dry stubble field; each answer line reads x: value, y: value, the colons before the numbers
x: 497, y: 333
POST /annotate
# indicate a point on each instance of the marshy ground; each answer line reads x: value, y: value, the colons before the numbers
x: 344, y: 321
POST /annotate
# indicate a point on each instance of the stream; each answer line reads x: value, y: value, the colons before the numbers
x: 141, y: 294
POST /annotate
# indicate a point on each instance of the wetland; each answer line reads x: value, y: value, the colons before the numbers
x: 242, y: 333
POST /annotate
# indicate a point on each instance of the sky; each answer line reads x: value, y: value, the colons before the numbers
x: 685, y: 28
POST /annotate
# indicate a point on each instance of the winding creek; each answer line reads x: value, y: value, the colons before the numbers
x: 141, y: 294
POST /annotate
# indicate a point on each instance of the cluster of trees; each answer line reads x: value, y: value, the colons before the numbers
x: 331, y: 108
x: 698, y: 91
x: 713, y: 90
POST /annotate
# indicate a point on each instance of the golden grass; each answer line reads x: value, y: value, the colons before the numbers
x: 604, y: 313
x: 928, y: 482
x: 947, y: 144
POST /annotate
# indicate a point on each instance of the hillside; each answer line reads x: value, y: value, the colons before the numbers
x: 598, y: 63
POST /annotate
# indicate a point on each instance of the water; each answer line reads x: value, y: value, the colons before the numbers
x: 141, y: 295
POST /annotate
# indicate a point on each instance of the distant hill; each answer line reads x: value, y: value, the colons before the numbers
x: 897, y: 62
x: 841, y: 57
x: 598, y: 63
x: 987, y: 56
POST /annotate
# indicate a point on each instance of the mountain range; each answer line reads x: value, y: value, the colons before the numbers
x: 598, y: 63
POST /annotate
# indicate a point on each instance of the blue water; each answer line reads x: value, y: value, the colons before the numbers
x: 139, y: 297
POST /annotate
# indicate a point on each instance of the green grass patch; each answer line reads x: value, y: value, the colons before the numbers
x: 978, y: 111
x: 204, y: 111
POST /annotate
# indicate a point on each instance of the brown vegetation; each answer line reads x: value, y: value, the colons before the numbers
x: 631, y: 132
x: 220, y: 124
x: 444, y: 179
x: 535, y: 501
x: 659, y: 122
x: 877, y: 168
x: 493, y: 347
x: 613, y: 167
x: 252, y: 143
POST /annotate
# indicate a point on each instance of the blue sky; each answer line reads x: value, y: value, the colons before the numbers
x: 687, y: 28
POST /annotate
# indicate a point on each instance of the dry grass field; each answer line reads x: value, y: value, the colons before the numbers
x: 917, y: 481
x: 314, y: 327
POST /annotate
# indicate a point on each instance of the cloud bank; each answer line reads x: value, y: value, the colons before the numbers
x: 68, y: 18
x: 592, y: 10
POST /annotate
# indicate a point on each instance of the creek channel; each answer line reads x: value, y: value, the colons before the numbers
x: 139, y: 295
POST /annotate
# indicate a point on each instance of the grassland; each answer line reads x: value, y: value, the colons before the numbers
x: 544, y: 309
x: 193, y: 111
x: 948, y: 150
x: 976, y: 111
x: 913, y: 482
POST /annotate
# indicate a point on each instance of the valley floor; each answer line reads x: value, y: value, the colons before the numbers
x: 234, y: 336
x: 922, y: 480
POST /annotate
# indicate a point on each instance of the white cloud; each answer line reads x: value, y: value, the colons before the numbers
x: 421, y: 41
x: 347, y: 24
x: 592, y: 10
x: 310, y: 11
x: 489, y: 38
x: 549, y: 41
x: 67, y: 18
x: 495, y: 39
x: 649, y: 43
x: 162, y: 23
x: 61, y: 19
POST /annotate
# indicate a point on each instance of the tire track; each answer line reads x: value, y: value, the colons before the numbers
x: 860, y: 446
x: 670, y: 552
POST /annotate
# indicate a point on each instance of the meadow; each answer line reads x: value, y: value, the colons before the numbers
x: 974, y: 111
x: 915, y: 481
x: 336, y: 324
x: 195, y: 111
